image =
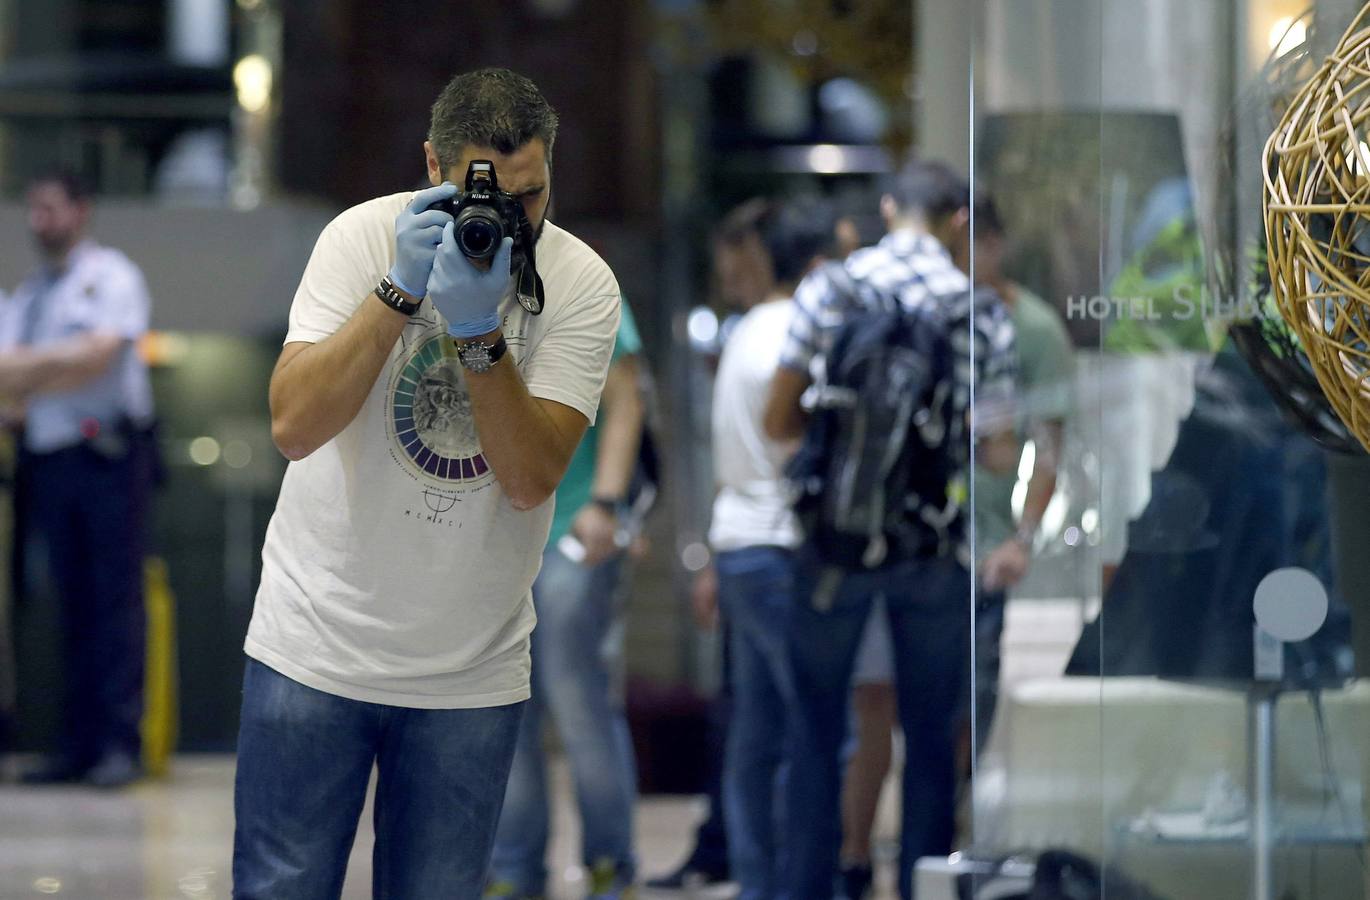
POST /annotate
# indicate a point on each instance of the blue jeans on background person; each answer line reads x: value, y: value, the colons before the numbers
x: 756, y: 592
x: 989, y: 635
x: 304, y: 763
x: 577, y: 679
x: 928, y: 603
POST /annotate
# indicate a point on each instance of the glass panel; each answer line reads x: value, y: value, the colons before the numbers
x: 1206, y: 737
x: 1041, y: 190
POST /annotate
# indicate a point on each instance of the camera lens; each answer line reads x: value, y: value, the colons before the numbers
x: 479, y: 232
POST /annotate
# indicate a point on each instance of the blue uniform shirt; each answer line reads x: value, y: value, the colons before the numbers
x: 98, y: 291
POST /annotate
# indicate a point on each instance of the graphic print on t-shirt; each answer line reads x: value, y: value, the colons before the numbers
x: 430, y: 420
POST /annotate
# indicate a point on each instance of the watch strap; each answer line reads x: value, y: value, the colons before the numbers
x: 391, y: 297
x: 608, y: 504
x: 493, y: 353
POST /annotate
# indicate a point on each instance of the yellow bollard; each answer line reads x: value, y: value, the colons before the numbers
x: 160, y: 715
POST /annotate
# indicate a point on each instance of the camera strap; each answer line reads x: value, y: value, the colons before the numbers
x: 530, y: 292
x: 529, y: 288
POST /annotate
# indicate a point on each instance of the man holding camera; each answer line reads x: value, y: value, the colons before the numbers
x: 429, y: 409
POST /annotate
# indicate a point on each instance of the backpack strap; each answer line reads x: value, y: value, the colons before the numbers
x: 849, y: 289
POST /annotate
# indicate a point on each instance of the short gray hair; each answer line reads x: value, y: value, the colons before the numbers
x: 493, y: 108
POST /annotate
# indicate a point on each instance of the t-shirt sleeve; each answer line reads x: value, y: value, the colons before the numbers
x: 123, y: 305
x: 628, y: 342
x: 9, y: 322
x: 997, y: 372
x: 813, y: 304
x: 1047, y: 372
x: 335, y: 281
x: 571, y: 361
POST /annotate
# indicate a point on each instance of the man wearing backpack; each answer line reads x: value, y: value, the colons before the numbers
x: 930, y: 343
x: 1003, y: 543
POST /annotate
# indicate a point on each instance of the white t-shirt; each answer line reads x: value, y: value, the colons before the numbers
x: 395, y: 569
x: 753, y: 504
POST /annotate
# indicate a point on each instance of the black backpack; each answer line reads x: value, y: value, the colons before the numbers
x: 872, y: 471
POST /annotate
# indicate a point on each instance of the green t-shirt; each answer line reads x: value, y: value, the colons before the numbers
x: 574, y: 490
x: 1046, y: 369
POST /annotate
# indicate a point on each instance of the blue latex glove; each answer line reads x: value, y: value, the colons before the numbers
x: 468, y: 297
x: 418, y: 232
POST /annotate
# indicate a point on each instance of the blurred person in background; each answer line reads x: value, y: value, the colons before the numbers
x: 74, y: 382
x: 753, y: 534
x: 1003, y: 546
x: 577, y: 656
x: 429, y: 416
x: 1043, y: 402
x: 926, y: 598
x: 10, y: 416
x: 743, y: 277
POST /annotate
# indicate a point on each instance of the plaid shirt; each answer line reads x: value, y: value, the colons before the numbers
x: 916, y: 270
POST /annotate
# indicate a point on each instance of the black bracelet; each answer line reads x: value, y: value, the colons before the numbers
x: 608, y: 504
x: 391, y: 297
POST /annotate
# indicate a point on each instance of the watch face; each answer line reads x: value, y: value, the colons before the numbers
x: 475, y: 357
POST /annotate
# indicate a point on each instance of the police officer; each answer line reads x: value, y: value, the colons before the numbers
x: 71, y: 376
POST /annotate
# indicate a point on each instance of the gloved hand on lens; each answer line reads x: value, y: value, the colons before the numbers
x: 418, y: 232
x: 467, y: 297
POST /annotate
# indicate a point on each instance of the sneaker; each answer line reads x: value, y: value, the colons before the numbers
x: 608, y: 883
x: 506, y: 890
x: 856, y: 881
x: 114, y: 770
x: 690, y: 877
x: 54, y: 770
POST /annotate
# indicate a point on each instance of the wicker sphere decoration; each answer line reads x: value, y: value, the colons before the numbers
x: 1317, y: 224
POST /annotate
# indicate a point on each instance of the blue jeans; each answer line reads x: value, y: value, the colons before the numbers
x: 928, y: 603
x: 577, y: 672
x: 756, y: 590
x: 304, y: 762
x: 989, y: 636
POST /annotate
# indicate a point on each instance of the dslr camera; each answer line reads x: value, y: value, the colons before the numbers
x: 485, y: 216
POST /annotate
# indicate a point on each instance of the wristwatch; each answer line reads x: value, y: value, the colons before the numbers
x: 391, y: 297
x: 478, y: 357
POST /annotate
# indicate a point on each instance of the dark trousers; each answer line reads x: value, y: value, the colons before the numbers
x: 989, y: 636
x: 928, y: 603
x: 89, y: 511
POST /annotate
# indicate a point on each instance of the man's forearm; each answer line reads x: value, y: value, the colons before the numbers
x: 784, y: 418
x: 62, y: 366
x: 527, y: 448
x: 317, y: 390
x: 1042, y: 483
x: 621, y: 413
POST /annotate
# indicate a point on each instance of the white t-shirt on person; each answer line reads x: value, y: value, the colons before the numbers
x: 395, y: 568
x: 753, y: 503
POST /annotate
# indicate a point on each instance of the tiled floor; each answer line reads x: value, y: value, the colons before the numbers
x: 172, y: 839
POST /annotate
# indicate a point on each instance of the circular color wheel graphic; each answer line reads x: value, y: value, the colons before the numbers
x: 430, y: 413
